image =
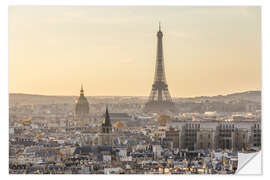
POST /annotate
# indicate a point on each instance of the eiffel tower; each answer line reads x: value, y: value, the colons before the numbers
x: 160, y: 99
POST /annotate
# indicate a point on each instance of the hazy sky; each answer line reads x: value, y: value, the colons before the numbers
x: 112, y: 50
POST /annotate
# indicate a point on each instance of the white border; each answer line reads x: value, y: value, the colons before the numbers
x: 136, y: 2
x: 4, y: 73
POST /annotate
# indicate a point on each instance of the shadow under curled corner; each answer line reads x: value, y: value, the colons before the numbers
x: 249, y: 164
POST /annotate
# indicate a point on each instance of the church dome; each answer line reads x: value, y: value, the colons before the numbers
x: 119, y: 124
x: 163, y: 119
x: 82, y: 105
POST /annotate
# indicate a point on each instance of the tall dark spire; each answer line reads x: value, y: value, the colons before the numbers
x: 159, y: 27
x: 107, y: 121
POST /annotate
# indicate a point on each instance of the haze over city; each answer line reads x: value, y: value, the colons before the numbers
x: 207, y: 50
x: 134, y: 90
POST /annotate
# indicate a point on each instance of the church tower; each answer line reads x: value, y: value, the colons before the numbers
x: 106, y: 124
x: 106, y: 130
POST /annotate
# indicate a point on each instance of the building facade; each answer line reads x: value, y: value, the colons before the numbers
x: 255, y: 139
x: 219, y: 135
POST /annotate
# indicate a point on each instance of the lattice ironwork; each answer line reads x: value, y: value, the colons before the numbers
x: 160, y: 98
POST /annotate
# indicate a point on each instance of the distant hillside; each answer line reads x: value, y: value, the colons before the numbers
x: 39, y: 99
x: 18, y: 98
x: 254, y: 96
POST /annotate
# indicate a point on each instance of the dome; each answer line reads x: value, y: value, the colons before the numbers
x: 25, y: 121
x: 82, y: 105
x: 119, y: 125
x: 163, y: 119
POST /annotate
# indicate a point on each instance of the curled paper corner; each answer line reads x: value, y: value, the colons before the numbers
x: 249, y: 164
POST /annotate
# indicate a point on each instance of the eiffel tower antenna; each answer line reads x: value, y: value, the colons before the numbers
x: 160, y: 99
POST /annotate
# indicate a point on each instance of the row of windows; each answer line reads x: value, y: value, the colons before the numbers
x: 192, y: 125
x: 226, y: 126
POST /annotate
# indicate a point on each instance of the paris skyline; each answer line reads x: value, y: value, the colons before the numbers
x: 207, y: 50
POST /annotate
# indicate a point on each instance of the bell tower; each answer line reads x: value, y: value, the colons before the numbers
x: 106, y: 130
